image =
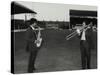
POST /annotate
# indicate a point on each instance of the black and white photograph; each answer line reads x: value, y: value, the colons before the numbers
x: 51, y: 37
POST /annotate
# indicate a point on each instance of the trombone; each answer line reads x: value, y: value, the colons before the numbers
x: 77, y: 31
x: 71, y: 35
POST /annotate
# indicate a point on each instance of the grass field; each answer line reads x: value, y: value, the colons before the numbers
x: 56, y: 54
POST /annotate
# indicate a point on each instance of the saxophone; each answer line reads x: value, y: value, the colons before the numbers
x: 39, y: 38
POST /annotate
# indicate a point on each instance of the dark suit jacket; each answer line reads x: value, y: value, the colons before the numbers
x: 89, y: 37
x: 30, y: 39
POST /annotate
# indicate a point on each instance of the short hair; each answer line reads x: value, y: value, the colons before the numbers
x: 84, y: 23
x: 33, y: 20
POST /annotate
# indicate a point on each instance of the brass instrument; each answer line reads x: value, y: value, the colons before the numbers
x: 77, y: 31
x: 38, y: 36
x: 94, y: 28
x: 71, y: 35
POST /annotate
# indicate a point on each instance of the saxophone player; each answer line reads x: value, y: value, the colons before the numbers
x: 31, y: 38
x: 86, y: 43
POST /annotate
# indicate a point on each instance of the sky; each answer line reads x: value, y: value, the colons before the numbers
x: 51, y: 11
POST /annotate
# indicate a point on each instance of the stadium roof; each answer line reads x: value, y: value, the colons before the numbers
x: 84, y: 13
x: 17, y: 8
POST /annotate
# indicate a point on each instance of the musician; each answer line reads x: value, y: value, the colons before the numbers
x: 31, y: 44
x: 86, y: 41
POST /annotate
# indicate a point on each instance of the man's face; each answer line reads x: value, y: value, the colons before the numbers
x: 34, y: 24
x: 84, y: 24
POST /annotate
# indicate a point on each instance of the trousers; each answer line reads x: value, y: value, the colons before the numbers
x: 85, y: 54
x: 32, y: 59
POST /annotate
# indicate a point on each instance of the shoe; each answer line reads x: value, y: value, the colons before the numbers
x: 83, y: 68
x: 34, y: 68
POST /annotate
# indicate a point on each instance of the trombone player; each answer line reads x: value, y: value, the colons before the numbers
x: 86, y: 43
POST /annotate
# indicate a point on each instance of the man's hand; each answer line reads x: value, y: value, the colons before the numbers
x: 78, y: 31
x: 37, y: 41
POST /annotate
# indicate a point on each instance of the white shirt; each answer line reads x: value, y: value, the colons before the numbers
x: 83, y: 35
